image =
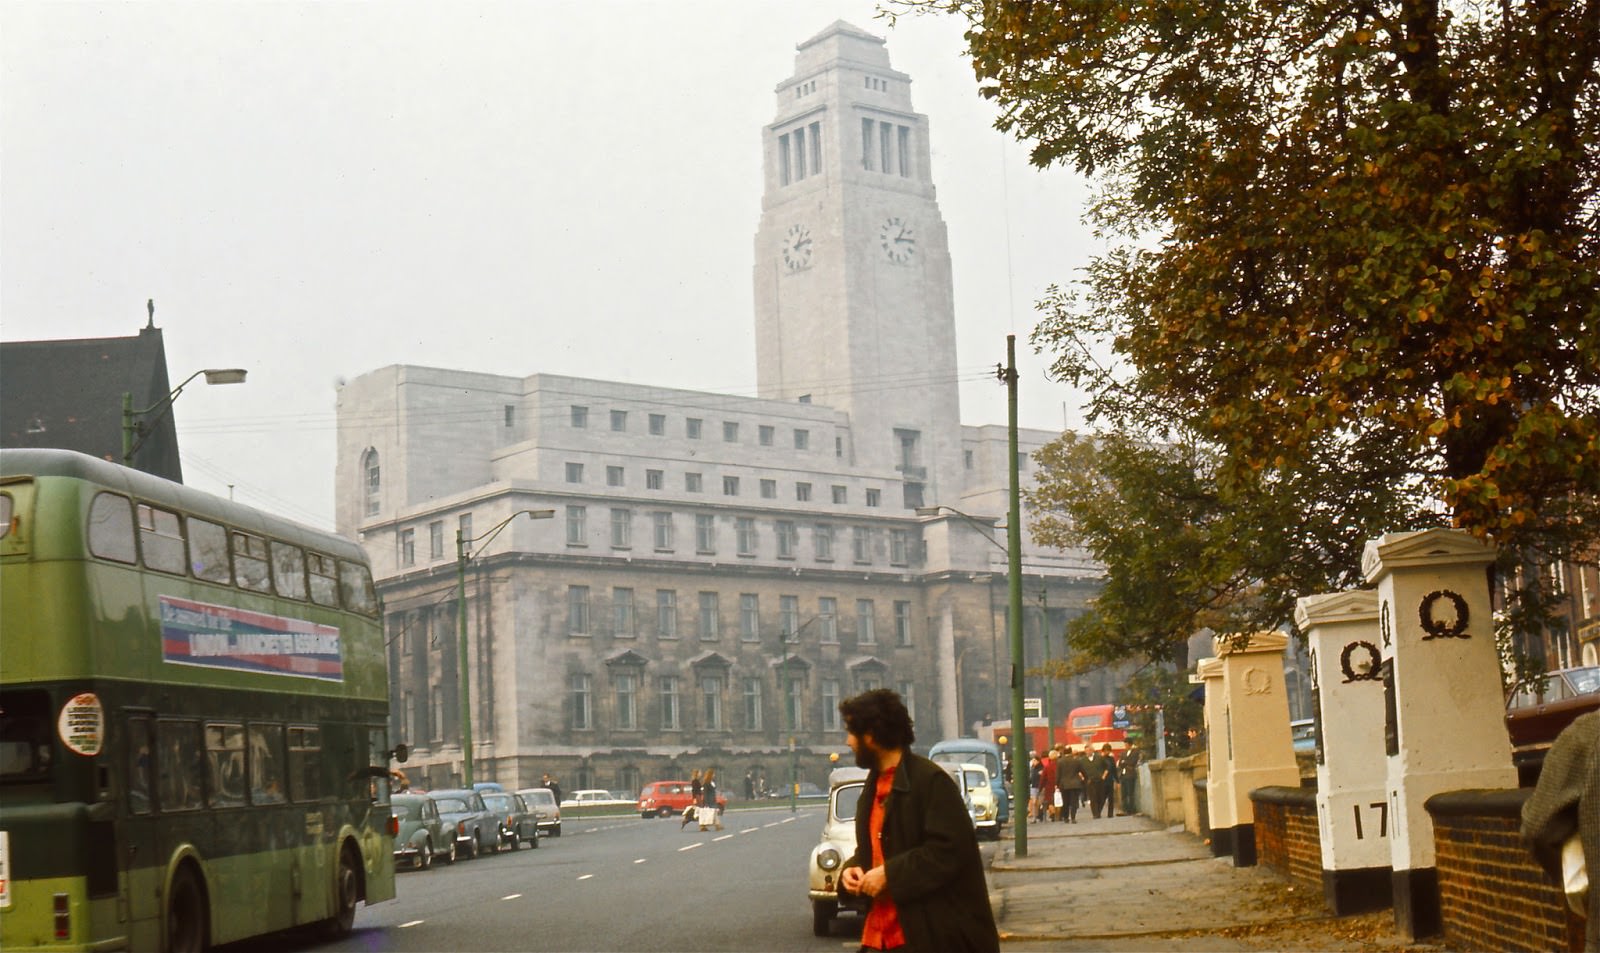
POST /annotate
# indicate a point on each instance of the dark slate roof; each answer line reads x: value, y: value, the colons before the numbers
x: 68, y: 394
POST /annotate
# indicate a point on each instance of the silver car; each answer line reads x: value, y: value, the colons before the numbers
x: 476, y: 829
x: 546, y: 812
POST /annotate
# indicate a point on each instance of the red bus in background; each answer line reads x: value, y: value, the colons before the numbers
x: 1095, y: 725
x: 1038, y: 730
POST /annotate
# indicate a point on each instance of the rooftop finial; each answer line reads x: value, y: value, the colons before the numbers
x: 150, y: 306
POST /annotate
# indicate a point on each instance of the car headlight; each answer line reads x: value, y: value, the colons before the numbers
x: 829, y: 859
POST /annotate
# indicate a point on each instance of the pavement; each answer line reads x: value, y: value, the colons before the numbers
x: 1126, y: 883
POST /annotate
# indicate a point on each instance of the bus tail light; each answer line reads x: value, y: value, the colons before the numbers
x: 63, y: 917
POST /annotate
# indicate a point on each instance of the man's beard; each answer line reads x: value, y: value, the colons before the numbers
x: 866, y: 758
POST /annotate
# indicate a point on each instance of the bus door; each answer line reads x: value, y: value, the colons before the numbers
x: 141, y: 869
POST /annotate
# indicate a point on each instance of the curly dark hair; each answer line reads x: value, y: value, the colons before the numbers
x: 880, y: 713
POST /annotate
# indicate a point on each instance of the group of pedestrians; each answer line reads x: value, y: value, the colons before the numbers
x: 1062, y: 779
x: 703, y: 794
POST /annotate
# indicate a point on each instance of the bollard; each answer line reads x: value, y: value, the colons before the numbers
x: 1347, y: 698
x: 1260, y: 743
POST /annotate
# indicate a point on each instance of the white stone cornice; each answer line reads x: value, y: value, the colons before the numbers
x: 1428, y: 547
x: 1351, y: 605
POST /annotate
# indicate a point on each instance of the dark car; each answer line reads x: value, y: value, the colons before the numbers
x: 518, y: 824
x: 423, y: 834
x: 1540, y: 706
x: 464, y: 812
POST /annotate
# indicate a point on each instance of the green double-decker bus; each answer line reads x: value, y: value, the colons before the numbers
x: 193, y: 712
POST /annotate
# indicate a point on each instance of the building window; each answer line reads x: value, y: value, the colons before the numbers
x: 658, y: 425
x: 666, y: 613
x: 764, y: 435
x: 802, y: 439
x: 908, y: 694
x: 436, y: 539
x: 511, y: 415
x: 580, y: 416
x: 627, y: 696
x: 619, y: 421
x: 577, y: 529
x: 749, y: 617
x: 802, y: 492
x: 710, y: 622
x: 867, y: 126
x: 838, y: 447
x: 816, y: 148
x: 436, y: 713
x: 463, y: 532
x: 899, y: 547
x: 861, y: 544
x: 622, y: 618
x: 621, y: 528
x: 884, y: 142
x: 730, y: 432
x: 865, y: 633
x: 692, y: 482
x: 828, y: 620
x: 784, y: 172
x: 830, y: 705
x: 730, y: 486
x: 670, y: 718
x: 841, y: 495
x: 904, y: 142
x: 661, y: 527
x: 577, y: 610
x: 574, y: 473
x: 371, y: 480
x: 711, y: 703
x: 874, y: 497
x: 752, y: 704
x: 788, y: 539
x: 654, y: 479
x: 966, y: 459
x: 745, y: 535
x: 822, y: 541
x: 705, y: 533
x: 582, y: 703
x: 769, y: 489
x: 408, y: 547
x: 902, y: 624
x: 794, y: 691
x: 691, y: 427
x: 614, y: 476
x: 799, y: 152
x: 789, y: 617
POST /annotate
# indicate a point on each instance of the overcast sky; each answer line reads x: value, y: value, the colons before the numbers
x: 315, y: 190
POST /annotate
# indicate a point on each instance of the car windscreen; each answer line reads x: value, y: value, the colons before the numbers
x: 452, y: 805
x: 1585, y: 680
x: 498, y: 803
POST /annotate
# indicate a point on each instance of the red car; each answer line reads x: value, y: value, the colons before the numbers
x: 666, y: 798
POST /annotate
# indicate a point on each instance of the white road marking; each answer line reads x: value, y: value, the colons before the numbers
x: 640, y: 860
x: 723, y: 837
x: 691, y: 846
x: 412, y: 923
x: 749, y: 830
x: 790, y: 819
x: 773, y: 824
x: 586, y: 876
x: 511, y: 896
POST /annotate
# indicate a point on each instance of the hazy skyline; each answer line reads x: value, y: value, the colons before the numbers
x: 314, y: 191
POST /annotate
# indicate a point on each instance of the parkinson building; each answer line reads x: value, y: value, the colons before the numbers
x: 708, y: 575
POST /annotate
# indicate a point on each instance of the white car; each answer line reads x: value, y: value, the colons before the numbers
x: 542, y: 802
x: 595, y: 797
x: 838, y: 845
x: 973, y: 779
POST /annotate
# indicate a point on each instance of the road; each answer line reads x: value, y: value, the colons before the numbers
x: 612, y: 884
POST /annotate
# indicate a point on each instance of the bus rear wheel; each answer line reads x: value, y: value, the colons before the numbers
x: 186, y: 914
x: 347, y: 890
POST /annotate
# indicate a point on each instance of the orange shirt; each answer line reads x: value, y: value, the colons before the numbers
x: 882, y: 929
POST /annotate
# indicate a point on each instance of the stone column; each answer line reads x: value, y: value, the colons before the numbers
x: 1444, y: 725
x: 1219, y: 754
x: 1352, y: 776
x: 1260, y: 741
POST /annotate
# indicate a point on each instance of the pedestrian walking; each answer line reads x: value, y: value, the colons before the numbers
x: 709, y: 815
x: 1034, y: 769
x: 1071, y: 776
x: 694, y: 800
x: 1128, y: 778
x: 916, y: 850
x: 1047, y: 785
x: 555, y: 788
x: 1102, y: 781
x: 1566, y: 804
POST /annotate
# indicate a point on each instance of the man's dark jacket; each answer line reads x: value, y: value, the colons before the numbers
x: 930, y: 854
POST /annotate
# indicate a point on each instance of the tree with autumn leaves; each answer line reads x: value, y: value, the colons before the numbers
x: 1351, y: 286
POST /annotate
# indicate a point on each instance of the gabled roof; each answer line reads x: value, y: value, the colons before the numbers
x: 710, y: 659
x: 1352, y: 605
x: 627, y: 657
x: 1428, y: 547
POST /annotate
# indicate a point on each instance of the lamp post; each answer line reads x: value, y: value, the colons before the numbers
x: 788, y: 711
x: 134, y: 430
x: 462, y: 542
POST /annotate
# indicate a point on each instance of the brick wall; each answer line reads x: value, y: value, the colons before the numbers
x: 1287, y: 837
x: 1492, y: 895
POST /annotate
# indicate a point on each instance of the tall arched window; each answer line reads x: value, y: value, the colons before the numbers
x: 370, y: 480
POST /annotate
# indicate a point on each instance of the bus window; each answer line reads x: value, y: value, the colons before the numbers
x: 111, y: 528
x: 305, y: 763
x: 288, y: 570
x: 26, y: 730
x: 6, y: 509
x: 180, y: 767
x: 355, y: 585
x: 324, y: 579
x: 140, y: 752
x: 250, y: 563
x: 208, y: 551
x: 160, y: 539
x: 225, y: 758
x: 266, y: 764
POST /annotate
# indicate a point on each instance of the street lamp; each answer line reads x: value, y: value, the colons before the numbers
x: 135, y: 431
x: 789, y: 710
x: 461, y: 625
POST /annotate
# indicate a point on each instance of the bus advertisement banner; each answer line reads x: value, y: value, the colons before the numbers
x: 213, y: 636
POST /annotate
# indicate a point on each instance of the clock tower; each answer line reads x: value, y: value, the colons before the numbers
x: 853, y: 301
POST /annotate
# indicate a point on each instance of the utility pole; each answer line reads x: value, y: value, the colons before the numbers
x: 1019, y: 736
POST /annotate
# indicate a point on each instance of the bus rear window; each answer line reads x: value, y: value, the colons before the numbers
x: 355, y: 585
x: 324, y: 579
x: 111, y: 528
x: 27, y: 730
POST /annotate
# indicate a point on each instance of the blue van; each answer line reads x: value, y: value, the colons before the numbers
x: 977, y: 751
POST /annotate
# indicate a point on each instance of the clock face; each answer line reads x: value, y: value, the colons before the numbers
x: 898, y: 239
x: 797, y: 247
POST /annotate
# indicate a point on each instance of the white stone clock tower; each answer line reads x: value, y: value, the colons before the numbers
x: 853, y: 300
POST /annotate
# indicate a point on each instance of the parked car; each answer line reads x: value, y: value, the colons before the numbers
x: 954, y: 770
x: 974, y: 781
x: 518, y: 826
x: 464, y: 811
x: 423, y: 833
x: 1539, y: 707
x: 1304, y: 733
x: 594, y: 797
x: 977, y: 751
x: 837, y: 846
x: 666, y: 798
x: 546, y: 812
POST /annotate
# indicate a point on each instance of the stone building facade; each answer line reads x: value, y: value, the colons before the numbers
x: 712, y: 573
